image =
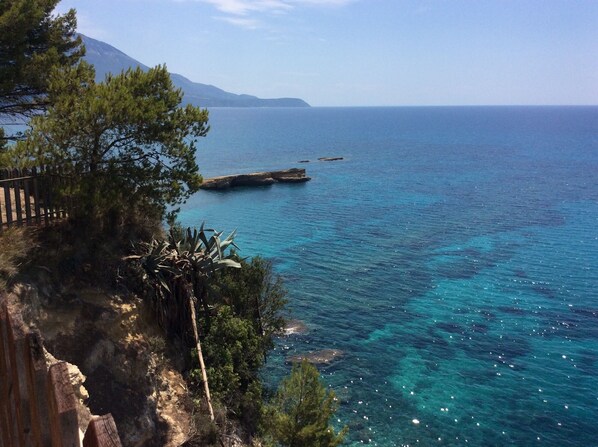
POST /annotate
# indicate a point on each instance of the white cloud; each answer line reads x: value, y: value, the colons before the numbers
x: 244, y: 7
x: 250, y: 14
x: 323, y: 2
x: 243, y: 22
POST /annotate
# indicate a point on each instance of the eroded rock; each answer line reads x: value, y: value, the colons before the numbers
x: 294, y: 175
x: 295, y: 327
x: 323, y: 357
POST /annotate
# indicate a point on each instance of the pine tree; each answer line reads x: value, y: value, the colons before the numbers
x: 32, y: 42
x: 302, y: 409
x: 127, y: 143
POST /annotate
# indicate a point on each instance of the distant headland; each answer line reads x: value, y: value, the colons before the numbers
x: 107, y: 59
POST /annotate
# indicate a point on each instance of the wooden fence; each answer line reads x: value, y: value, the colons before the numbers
x: 27, y: 197
x: 38, y: 406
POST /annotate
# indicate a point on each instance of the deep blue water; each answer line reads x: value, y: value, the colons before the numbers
x: 452, y: 256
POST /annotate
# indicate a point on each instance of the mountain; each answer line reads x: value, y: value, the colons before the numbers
x: 108, y: 59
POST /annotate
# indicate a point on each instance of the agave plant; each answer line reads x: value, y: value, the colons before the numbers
x: 202, y: 257
x: 178, y: 270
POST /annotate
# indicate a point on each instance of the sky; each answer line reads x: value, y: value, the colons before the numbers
x: 364, y: 52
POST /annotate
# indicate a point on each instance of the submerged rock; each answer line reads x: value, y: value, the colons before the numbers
x: 323, y: 357
x: 295, y: 327
x: 294, y: 175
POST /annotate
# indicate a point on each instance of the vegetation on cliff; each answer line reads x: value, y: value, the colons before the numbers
x: 127, y: 141
x: 128, y: 152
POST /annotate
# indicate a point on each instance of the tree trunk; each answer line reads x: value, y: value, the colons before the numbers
x: 258, y: 315
x: 202, y: 365
x: 200, y: 289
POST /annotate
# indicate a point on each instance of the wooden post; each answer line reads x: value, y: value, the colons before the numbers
x: 1, y: 223
x: 14, y: 338
x: 16, y: 183
x: 18, y: 336
x: 6, y: 418
x: 37, y: 385
x: 45, y: 194
x: 7, y: 204
x: 38, y: 211
x: 64, y: 423
x: 27, y: 192
x: 101, y: 432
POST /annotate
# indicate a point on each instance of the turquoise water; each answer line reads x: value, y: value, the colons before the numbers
x: 452, y: 256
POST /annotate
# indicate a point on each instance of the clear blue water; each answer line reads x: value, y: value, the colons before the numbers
x: 452, y: 256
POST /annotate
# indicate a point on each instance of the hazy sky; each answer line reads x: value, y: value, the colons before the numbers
x: 364, y: 52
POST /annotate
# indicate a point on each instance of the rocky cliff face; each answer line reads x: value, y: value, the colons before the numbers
x: 294, y: 175
x: 120, y: 356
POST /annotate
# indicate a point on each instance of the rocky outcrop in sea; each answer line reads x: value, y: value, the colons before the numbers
x: 294, y: 175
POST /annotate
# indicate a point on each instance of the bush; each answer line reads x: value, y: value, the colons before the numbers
x: 255, y: 293
x: 15, y: 245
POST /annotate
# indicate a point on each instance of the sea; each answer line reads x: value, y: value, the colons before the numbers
x: 451, y: 256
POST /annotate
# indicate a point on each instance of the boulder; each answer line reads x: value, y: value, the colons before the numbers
x: 295, y: 327
x: 323, y: 357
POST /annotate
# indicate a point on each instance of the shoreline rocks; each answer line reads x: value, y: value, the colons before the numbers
x: 294, y: 175
x: 323, y: 357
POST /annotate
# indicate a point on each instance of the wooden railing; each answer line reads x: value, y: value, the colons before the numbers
x: 38, y: 406
x: 27, y: 197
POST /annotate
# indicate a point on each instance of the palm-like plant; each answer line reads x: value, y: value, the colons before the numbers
x: 178, y: 270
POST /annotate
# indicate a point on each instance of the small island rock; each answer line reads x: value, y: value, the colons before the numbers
x: 294, y: 175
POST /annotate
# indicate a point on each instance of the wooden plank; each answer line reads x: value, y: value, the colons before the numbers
x: 102, y: 432
x: 51, y: 199
x: 14, y: 336
x: 1, y: 220
x: 51, y: 189
x: 5, y: 439
x: 7, y: 204
x: 17, y: 193
x: 6, y: 420
x: 45, y: 193
x: 63, y: 408
x: 57, y: 185
x: 18, y: 336
x: 36, y: 381
x: 37, y: 206
x: 27, y: 192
